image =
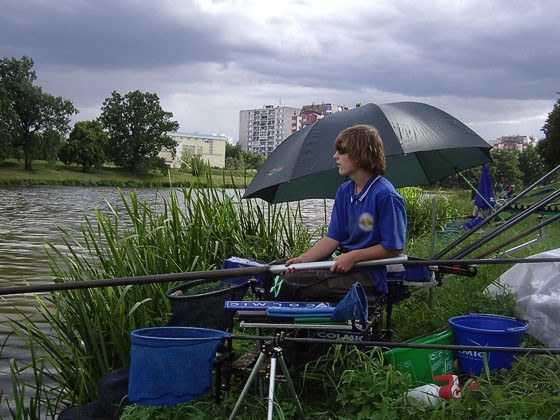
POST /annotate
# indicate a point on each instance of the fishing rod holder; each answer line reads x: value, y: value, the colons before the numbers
x: 272, y: 350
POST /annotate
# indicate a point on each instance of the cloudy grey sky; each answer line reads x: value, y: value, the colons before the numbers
x: 494, y: 64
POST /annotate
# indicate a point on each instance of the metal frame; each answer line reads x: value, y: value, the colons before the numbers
x: 274, y: 351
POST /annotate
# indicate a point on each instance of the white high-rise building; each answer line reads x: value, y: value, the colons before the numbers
x: 262, y: 130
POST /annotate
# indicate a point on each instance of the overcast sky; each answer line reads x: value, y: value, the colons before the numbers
x: 494, y: 64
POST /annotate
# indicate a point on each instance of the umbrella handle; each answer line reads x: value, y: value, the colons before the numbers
x: 325, y: 265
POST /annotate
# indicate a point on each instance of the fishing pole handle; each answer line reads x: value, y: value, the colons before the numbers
x: 326, y: 265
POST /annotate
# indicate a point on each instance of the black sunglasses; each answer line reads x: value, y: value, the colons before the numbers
x: 341, y: 150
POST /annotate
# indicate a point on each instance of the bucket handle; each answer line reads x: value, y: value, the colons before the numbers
x: 514, y: 329
x: 507, y: 317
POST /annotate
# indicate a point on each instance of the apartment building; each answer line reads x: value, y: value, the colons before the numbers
x: 262, y: 130
x: 310, y: 114
x: 210, y: 147
x: 517, y: 142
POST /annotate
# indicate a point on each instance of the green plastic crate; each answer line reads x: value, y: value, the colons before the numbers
x: 423, y: 364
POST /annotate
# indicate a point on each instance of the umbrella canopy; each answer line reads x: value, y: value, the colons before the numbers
x: 423, y: 144
x: 485, y: 198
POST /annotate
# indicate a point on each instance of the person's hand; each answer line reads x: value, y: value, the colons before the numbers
x: 295, y: 260
x: 343, y: 263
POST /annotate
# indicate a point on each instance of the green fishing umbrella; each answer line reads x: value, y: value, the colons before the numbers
x: 423, y: 144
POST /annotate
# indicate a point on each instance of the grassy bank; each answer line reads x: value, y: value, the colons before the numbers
x: 13, y: 173
x: 196, y: 231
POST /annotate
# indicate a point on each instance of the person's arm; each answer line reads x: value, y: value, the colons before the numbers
x: 346, y: 261
x: 322, y: 249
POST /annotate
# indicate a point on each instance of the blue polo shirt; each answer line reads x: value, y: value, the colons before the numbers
x: 376, y: 215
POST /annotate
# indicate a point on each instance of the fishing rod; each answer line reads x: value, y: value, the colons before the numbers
x: 495, y: 214
x: 509, y: 241
x: 391, y: 344
x: 255, y: 271
x: 176, y: 277
x: 506, y: 226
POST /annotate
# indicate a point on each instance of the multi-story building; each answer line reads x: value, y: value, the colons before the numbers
x: 511, y: 143
x: 310, y: 114
x: 210, y: 147
x: 262, y: 130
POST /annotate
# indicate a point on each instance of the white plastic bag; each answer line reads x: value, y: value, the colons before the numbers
x: 537, y: 287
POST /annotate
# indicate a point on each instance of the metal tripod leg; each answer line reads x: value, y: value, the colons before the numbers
x: 290, y: 384
x: 275, y: 355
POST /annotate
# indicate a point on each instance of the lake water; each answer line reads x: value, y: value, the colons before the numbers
x: 30, y: 215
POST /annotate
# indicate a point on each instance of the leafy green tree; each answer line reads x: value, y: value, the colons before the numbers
x: 531, y: 166
x: 253, y: 160
x: 47, y: 147
x: 28, y: 111
x: 233, y: 151
x: 236, y: 158
x: 6, y: 149
x: 85, y: 146
x: 504, y: 168
x: 549, y: 147
x: 137, y: 127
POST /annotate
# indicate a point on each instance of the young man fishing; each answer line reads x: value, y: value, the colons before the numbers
x: 368, y: 222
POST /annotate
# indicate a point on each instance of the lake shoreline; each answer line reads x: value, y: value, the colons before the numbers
x: 12, y: 172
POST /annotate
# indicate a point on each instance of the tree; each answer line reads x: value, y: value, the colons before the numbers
x: 47, y: 146
x: 85, y: 146
x: 6, y: 149
x: 233, y: 151
x: 549, y: 147
x: 236, y: 158
x: 531, y: 165
x: 28, y: 111
x: 253, y: 160
x: 137, y: 127
x: 504, y: 168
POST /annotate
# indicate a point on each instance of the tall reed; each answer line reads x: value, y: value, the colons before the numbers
x: 190, y: 229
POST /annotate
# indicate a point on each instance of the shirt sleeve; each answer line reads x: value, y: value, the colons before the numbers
x: 392, y: 222
x: 337, y: 226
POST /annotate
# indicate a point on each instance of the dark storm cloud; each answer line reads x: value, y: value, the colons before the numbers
x: 485, y: 51
x: 113, y: 35
x: 494, y: 62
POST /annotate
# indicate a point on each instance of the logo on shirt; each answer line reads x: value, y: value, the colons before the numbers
x: 366, y: 222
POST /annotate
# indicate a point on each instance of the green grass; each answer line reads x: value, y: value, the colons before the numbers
x: 13, y: 173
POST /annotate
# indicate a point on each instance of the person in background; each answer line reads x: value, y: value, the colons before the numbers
x: 368, y: 222
x: 510, y: 191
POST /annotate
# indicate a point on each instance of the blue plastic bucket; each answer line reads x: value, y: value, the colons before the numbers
x: 486, y: 330
x: 172, y: 365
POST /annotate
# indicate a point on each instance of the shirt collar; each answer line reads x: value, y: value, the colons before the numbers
x: 365, y: 190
